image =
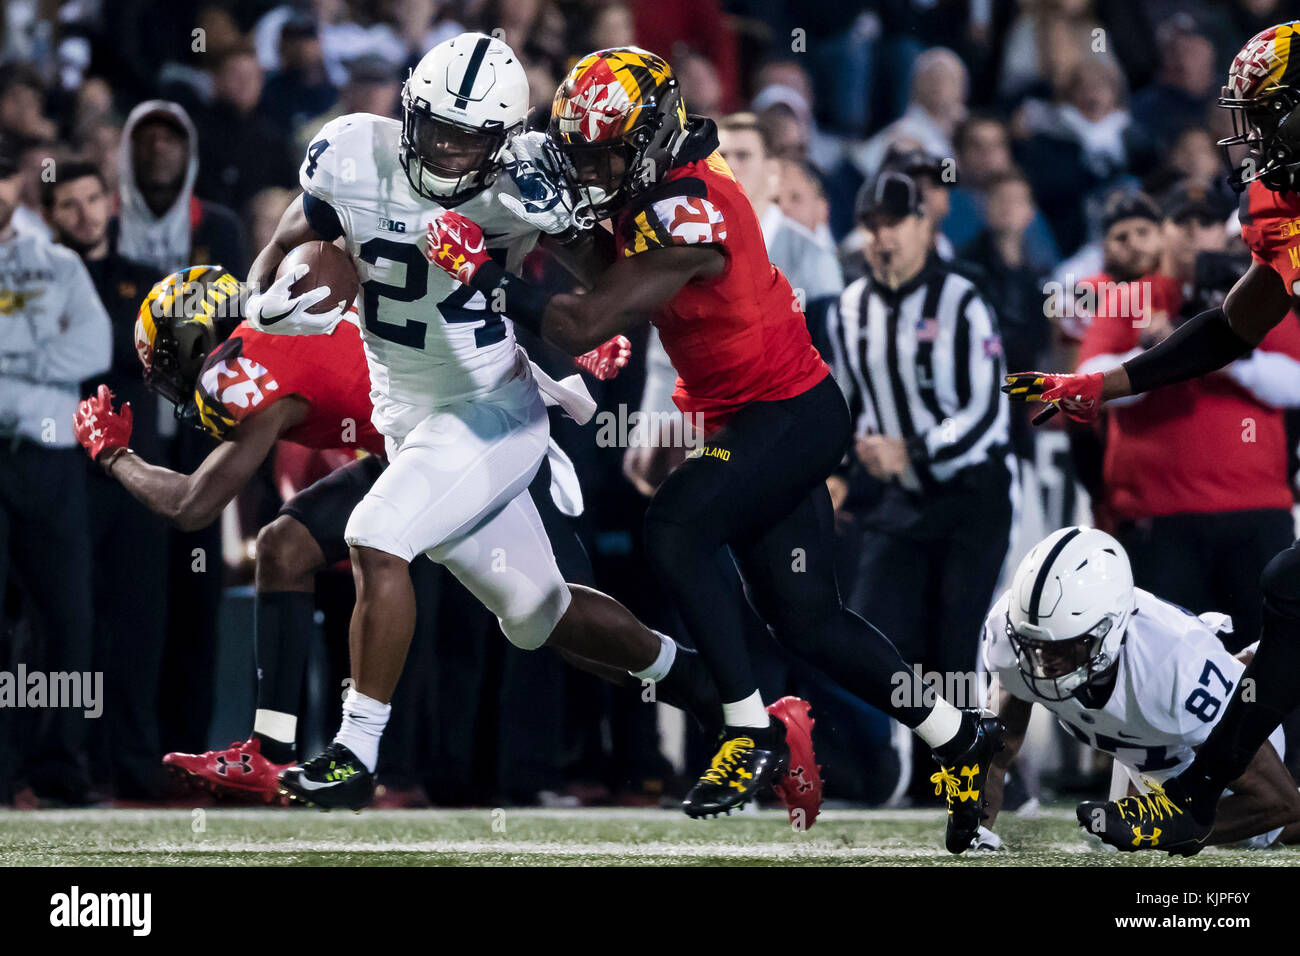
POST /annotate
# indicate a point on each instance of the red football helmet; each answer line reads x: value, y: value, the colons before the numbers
x: 1263, y: 93
x: 617, y: 122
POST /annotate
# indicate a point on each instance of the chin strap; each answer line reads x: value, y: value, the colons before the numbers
x: 584, y: 217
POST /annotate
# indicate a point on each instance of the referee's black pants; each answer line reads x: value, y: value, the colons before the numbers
x: 758, y: 486
x: 45, y: 540
x: 927, y: 567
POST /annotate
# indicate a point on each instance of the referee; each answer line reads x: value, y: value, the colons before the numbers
x: 929, y: 484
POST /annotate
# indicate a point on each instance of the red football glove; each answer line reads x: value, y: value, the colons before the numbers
x: 455, y: 245
x: 1079, y: 396
x: 98, y: 427
x: 605, y: 361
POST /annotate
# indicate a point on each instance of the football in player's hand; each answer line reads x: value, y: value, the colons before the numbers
x: 330, y: 266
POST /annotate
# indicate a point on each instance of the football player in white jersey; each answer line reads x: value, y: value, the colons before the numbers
x: 1128, y: 674
x: 456, y: 399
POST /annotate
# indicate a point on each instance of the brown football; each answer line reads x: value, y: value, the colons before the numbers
x: 330, y: 266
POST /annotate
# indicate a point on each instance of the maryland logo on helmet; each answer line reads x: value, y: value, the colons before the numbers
x: 1263, y: 95
x: 617, y: 103
x: 175, y: 328
x: 1263, y: 66
x: 605, y: 94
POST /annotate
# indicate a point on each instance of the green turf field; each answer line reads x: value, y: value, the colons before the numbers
x: 227, y: 837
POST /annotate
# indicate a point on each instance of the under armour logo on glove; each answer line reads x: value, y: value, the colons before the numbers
x: 456, y: 246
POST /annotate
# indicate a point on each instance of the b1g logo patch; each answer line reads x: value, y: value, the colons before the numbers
x: 392, y: 225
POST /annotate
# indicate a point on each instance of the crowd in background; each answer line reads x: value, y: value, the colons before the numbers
x: 1063, y: 148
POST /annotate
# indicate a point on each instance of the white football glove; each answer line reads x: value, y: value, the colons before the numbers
x: 546, y: 203
x: 985, y: 840
x: 278, y: 312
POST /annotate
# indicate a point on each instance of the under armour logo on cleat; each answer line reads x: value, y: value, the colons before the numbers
x: 224, y: 765
x: 801, y: 781
x: 1153, y: 837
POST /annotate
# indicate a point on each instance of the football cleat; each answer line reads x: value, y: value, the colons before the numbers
x: 1160, y: 819
x: 333, y: 778
x: 800, y: 789
x: 740, y: 769
x: 239, y: 770
x: 961, y: 783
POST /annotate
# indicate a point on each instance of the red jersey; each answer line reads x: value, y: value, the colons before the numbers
x: 738, y: 337
x: 252, y: 370
x: 1270, y: 224
x: 1199, y: 447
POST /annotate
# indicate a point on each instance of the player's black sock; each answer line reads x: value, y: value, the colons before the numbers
x: 765, y: 738
x: 274, y: 750
x: 689, y: 686
x: 1268, y: 691
x: 961, y: 742
x: 285, y: 621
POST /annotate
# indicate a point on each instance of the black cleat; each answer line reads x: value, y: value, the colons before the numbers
x: 740, y: 769
x: 961, y: 783
x: 331, y: 779
x: 1160, y: 819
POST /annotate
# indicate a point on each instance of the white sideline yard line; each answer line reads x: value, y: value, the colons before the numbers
x: 594, y: 814
x: 766, y: 851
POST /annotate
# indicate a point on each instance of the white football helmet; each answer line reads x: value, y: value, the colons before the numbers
x: 461, y: 104
x: 1071, y: 599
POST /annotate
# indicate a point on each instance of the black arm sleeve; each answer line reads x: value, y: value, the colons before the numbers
x: 1202, y: 344
x: 584, y: 255
x: 521, y: 301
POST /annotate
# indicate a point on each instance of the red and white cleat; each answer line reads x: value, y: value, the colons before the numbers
x: 240, y: 770
x: 800, y: 789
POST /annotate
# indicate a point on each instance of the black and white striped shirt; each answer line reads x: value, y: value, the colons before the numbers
x: 924, y: 363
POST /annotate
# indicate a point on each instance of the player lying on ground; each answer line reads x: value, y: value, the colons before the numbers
x: 1263, y: 93
x: 1128, y: 674
x: 455, y: 397
x: 690, y: 258
x: 251, y: 391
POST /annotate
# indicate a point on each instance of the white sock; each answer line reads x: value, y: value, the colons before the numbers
x: 941, y: 725
x: 276, y: 725
x: 662, y: 664
x: 746, y: 713
x: 364, y: 719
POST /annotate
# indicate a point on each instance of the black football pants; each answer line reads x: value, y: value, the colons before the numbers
x: 758, y: 487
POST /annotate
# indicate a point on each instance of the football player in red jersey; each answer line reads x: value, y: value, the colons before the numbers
x: 690, y: 257
x: 1263, y: 94
x: 253, y: 390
